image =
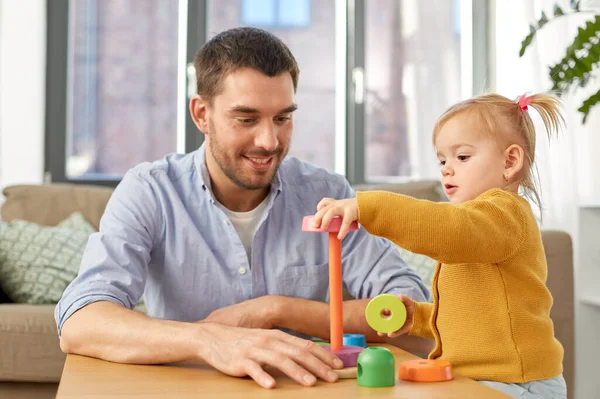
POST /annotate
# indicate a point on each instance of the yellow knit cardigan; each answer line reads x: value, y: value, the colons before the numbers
x: 490, y: 315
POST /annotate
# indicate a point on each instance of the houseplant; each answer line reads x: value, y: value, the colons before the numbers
x: 579, y: 66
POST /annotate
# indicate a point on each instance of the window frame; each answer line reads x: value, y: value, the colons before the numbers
x: 353, y: 49
x: 277, y: 23
x: 57, y: 43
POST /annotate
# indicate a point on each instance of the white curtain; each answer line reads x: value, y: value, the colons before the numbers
x: 567, y: 165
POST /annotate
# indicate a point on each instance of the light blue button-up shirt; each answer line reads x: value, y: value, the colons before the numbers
x: 163, y: 235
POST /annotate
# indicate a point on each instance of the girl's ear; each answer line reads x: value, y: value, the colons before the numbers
x: 513, y: 161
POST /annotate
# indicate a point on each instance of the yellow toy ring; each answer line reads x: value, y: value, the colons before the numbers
x: 380, y: 322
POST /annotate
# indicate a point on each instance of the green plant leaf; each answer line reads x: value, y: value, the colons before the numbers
x: 542, y: 21
x: 585, y: 80
x: 558, y: 11
x: 580, y: 59
x: 594, y: 49
x: 588, y: 104
x: 525, y: 43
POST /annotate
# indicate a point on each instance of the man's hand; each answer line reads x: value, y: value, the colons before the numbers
x: 240, y: 352
x: 258, y: 312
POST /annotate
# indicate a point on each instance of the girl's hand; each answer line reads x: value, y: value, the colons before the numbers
x: 328, y: 208
x: 410, y: 310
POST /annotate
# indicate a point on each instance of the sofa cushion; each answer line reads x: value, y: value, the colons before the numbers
x: 38, y: 262
x: 49, y: 204
x: 28, y: 390
x: 4, y: 298
x: 30, y: 345
x: 423, y: 265
x: 559, y: 255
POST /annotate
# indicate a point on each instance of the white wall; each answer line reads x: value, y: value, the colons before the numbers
x: 22, y: 91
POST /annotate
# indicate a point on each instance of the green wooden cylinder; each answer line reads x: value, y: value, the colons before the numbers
x: 375, y: 367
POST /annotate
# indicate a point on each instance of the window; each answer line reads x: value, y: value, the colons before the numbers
x: 115, y: 86
x: 315, y: 51
x: 375, y: 75
x: 122, y: 85
x: 412, y: 73
x: 276, y: 13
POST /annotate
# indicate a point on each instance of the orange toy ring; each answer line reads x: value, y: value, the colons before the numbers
x: 425, y: 370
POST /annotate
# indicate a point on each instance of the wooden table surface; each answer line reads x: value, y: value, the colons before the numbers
x: 88, y: 378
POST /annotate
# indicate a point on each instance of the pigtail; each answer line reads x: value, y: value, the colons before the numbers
x: 549, y: 109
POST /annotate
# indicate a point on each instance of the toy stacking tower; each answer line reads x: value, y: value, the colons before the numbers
x: 347, y: 354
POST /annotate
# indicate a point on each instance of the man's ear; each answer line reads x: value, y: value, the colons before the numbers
x: 199, y: 112
x: 513, y: 161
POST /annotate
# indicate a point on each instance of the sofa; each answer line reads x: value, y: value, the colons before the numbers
x: 31, y: 361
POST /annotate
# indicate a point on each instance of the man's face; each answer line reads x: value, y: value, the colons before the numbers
x: 249, y: 127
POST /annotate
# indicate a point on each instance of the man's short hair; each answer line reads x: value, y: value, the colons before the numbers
x: 241, y: 48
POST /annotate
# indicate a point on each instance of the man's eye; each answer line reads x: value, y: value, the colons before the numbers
x: 246, y: 121
x: 463, y: 157
x: 283, y: 119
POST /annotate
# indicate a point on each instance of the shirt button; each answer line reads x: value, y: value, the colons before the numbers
x: 242, y: 270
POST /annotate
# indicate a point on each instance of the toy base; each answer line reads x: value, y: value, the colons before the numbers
x: 348, y: 354
x: 347, y: 374
x: 425, y: 370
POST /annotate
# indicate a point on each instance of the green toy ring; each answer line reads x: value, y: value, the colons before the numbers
x: 381, y: 323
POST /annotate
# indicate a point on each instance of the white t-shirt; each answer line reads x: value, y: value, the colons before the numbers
x: 246, y: 224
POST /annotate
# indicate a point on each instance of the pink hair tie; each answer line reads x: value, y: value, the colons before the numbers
x: 524, y: 101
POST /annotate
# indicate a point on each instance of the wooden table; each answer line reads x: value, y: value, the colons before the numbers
x: 87, y: 378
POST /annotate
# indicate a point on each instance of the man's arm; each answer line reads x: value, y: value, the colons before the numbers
x: 114, y: 266
x: 310, y: 318
x: 111, y: 332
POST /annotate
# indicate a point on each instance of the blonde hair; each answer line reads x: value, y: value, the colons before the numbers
x: 505, y: 121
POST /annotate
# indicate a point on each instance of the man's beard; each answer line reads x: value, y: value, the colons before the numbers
x: 227, y: 162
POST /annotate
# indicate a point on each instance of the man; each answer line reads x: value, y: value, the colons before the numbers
x: 213, y: 239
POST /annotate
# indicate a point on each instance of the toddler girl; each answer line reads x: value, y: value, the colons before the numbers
x: 490, y: 315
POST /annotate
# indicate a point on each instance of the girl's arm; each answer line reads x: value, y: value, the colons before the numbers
x: 421, y: 326
x: 488, y: 229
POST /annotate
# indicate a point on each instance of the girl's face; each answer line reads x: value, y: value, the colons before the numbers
x: 471, y: 161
